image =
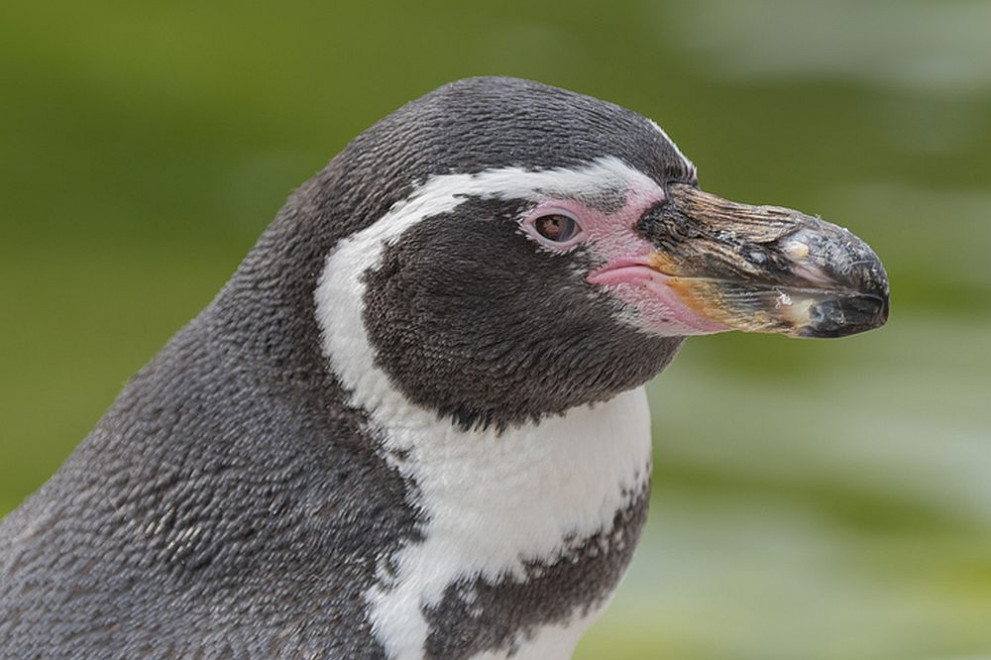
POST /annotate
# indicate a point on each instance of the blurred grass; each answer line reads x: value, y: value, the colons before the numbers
x: 812, y: 499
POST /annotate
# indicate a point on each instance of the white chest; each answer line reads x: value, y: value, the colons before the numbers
x: 495, y: 502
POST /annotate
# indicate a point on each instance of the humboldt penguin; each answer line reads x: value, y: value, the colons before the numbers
x: 413, y: 423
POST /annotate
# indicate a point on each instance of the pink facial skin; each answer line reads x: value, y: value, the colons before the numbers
x: 660, y: 310
x: 626, y: 272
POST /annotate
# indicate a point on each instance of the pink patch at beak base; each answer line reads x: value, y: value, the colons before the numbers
x: 659, y: 308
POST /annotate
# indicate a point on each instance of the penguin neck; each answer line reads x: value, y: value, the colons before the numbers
x: 529, y: 526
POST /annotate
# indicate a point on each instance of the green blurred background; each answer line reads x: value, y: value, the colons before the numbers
x: 813, y: 500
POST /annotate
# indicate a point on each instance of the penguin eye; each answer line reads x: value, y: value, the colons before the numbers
x: 556, y: 227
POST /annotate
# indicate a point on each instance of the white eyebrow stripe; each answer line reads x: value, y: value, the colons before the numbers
x: 442, y: 193
x: 688, y: 163
x: 606, y: 173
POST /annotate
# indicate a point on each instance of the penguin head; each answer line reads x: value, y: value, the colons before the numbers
x: 501, y: 250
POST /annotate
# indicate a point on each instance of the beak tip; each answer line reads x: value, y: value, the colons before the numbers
x: 841, y: 317
x: 858, y: 299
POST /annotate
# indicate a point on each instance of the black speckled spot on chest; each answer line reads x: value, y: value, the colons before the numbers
x: 478, y: 615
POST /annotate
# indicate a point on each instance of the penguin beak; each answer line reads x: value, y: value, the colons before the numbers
x: 764, y: 268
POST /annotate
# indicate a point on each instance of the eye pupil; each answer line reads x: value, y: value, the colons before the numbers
x: 556, y: 227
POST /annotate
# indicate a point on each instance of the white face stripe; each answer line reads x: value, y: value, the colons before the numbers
x: 493, y: 502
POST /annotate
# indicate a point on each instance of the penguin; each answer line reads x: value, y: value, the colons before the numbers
x: 413, y: 423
